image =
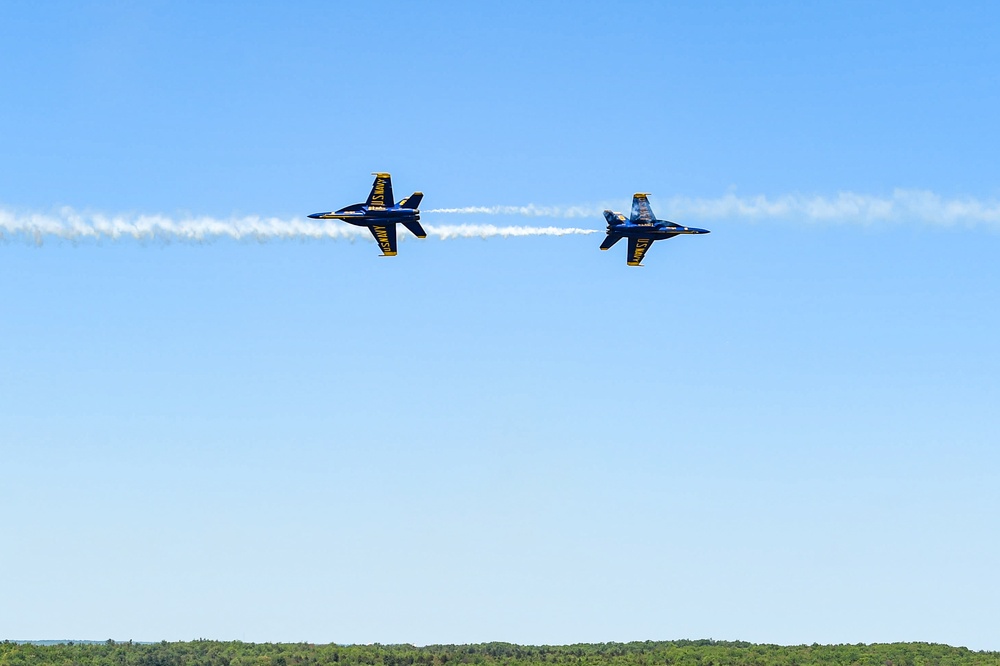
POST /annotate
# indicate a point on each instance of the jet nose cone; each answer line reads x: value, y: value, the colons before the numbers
x: 317, y: 216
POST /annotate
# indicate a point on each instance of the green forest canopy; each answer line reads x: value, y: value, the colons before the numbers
x: 649, y: 653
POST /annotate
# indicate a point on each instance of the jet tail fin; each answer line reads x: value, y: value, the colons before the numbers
x: 415, y: 228
x: 613, y: 218
x: 412, y: 201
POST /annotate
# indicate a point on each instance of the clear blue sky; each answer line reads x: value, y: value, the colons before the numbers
x: 786, y: 431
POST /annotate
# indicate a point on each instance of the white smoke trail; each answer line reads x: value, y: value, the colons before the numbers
x: 70, y: 225
x: 902, y: 206
x: 73, y: 226
x: 531, y: 210
x: 445, y: 232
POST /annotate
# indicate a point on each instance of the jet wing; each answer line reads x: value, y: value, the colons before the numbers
x: 385, y: 236
x: 637, y: 249
x: 381, y: 194
x: 641, y: 212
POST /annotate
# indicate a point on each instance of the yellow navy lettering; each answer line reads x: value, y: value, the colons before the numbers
x: 378, y: 194
x: 382, y: 236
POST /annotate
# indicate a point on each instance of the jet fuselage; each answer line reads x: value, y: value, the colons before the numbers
x: 655, y: 231
x: 364, y: 217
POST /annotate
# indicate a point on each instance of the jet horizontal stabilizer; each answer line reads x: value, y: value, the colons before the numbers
x: 415, y: 228
x: 610, y: 241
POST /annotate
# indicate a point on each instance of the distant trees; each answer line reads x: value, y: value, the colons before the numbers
x: 649, y: 653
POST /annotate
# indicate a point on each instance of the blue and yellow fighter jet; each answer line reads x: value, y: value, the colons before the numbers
x: 381, y: 215
x: 641, y: 229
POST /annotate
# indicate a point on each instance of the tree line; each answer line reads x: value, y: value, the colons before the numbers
x: 649, y: 653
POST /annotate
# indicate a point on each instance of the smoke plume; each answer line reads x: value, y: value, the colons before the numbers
x: 902, y: 206
x: 70, y: 225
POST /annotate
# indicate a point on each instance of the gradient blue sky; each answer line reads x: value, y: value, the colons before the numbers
x: 786, y: 431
